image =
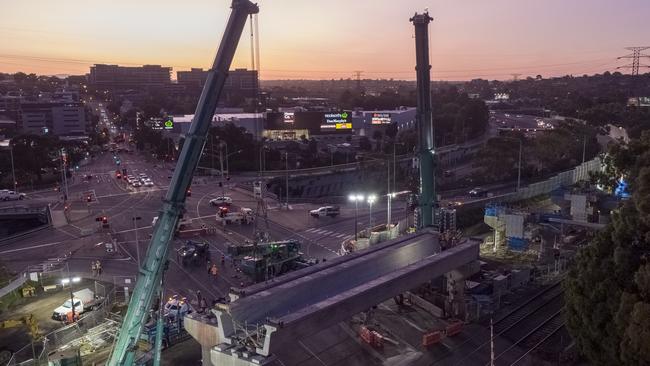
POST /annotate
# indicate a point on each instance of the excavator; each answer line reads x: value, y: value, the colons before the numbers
x: 149, y: 283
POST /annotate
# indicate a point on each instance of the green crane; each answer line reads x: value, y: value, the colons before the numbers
x: 150, y: 276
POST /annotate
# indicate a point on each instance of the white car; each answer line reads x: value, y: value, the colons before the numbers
x: 7, y: 195
x: 142, y: 176
x: 148, y: 183
x: 221, y: 201
x: 136, y: 183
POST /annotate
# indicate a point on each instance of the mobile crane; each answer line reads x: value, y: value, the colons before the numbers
x: 150, y: 274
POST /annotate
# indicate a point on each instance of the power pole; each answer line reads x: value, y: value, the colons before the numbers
x: 358, y: 77
x: 636, y: 57
x: 423, y: 117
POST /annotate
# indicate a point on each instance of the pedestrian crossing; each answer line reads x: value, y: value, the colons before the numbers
x: 324, y: 233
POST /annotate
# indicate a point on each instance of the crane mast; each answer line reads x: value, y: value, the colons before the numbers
x: 150, y: 274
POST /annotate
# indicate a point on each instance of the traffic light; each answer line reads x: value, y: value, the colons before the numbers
x: 189, y: 192
x: 104, y: 221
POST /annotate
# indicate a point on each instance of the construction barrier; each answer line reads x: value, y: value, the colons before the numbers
x: 431, y: 338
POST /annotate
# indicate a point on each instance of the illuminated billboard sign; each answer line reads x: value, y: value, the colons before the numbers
x: 314, y: 122
x: 336, y: 121
x: 380, y: 119
x: 160, y: 124
x: 289, y: 117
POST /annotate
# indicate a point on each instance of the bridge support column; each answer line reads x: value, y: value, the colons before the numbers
x: 455, y: 304
x: 225, y: 326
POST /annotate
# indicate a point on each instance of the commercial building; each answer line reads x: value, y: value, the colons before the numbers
x: 59, y: 118
x: 114, y: 76
x: 241, y: 84
x: 252, y: 122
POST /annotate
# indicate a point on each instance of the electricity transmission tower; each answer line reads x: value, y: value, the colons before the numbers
x: 358, y: 75
x: 636, y: 56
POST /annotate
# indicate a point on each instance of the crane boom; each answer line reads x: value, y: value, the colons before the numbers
x: 150, y: 274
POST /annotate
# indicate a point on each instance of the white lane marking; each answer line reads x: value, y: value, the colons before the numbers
x: 341, y: 236
x: 32, y: 247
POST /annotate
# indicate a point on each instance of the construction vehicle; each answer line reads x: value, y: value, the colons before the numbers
x: 149, y: 283
x: 193, y: 252
x: 267, y: 260
x: 84, y: 300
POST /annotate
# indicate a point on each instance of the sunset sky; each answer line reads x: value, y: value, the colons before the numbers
x: 322, y: 39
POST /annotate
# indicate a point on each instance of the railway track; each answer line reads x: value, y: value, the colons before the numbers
x: 525, y: 319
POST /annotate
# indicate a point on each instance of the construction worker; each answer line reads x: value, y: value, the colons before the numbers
x: 203, y: 305
x: 93, y: 267
x: 208, y: 266
x: 213, y: 270
x: 99, y: 268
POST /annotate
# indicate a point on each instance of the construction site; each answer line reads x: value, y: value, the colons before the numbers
x: 397, y: 294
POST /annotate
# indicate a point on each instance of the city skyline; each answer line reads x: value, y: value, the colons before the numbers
x: 469, y: 39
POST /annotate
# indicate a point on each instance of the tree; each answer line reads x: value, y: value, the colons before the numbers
x: 607, y: 291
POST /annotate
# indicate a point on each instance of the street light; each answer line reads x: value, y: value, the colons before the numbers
x: 356, y: 198
x: 371, y: 199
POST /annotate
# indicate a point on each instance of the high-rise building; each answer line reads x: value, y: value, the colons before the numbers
x: 114, y: 76
x: 240, y: 84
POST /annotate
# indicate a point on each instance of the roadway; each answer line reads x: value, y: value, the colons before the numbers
x: 120, y: 203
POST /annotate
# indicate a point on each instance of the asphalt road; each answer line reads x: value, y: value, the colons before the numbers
x: 121, y: 203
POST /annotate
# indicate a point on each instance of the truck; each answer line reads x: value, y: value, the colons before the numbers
x: 7, y: 195
x: 84, y: 300
x: 193, y: 252
x: 330, y: 211
x: 267, y: 260
x: 243, y: 216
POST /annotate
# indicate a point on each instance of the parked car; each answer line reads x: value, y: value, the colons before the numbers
x: 136, y: 183
x: 221, y: 201
x: 7, y: 195
x: 148, y: 183
x: 331, y: 211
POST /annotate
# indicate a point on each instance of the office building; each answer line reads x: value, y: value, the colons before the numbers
x: 114, y: 76
x: 59, y: 118
x: 241, y: 84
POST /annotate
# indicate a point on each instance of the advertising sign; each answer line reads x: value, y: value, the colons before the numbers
x: 289, y: 117
x: 380, y: 119
x: 336, y: 121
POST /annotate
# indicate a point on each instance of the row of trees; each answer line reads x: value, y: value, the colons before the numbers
x: 548, y: 152
x: 37, y: 157
x: 607, y: 290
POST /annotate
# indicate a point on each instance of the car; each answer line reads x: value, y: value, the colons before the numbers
x: 478, y: 192
x: 142, y: 175
x: 7, y: 195
x: 148, y: 183
x: 221, y: 201
x: 331, y: 211
x: 136, y: 183
x: 447, y: 173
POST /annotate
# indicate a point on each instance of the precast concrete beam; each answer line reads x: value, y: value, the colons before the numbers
x: 332, y: 310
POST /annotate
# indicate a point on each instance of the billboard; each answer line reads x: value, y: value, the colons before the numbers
x: 160, y: 124
x: 336, y: 122
x: 315, y: 122
x: 380, y: 119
